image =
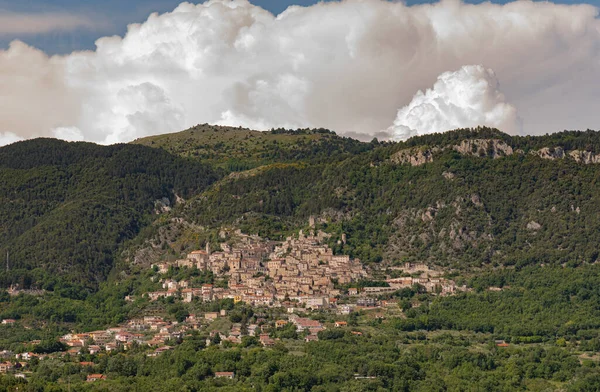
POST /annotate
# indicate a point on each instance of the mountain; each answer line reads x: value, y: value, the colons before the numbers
x: 511, y: 220
x: 238, y: 149
x: 65, y: 208
x: 464, y: 199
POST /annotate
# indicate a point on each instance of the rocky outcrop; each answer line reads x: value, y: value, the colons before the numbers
x: 533, y: 225
x: 414, y: 156
x: 551, y: 153
x: 445, y: 228
x: 584, y: 157
x: 493, y: 148
x: 475, y: 199
x: 162, y: 206
x: 448, y: 175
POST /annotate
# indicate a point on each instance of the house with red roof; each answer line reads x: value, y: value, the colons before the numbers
x: 95, y: 377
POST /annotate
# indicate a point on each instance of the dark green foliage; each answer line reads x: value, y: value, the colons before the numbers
x: 487, y: 212
x: 288, y: 331
x: 49, y: 346
x: 537, y: 304
x: 65, y: 208
x: 69, y: 209
x: 331, y: 334
x: 569, y: 140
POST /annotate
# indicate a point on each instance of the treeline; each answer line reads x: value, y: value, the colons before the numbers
x: 305, y: 131
x: 588, y: 140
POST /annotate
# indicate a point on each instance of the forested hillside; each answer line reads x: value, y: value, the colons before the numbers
x: 463, y: 199
x: 511, y: 220
x: 65, y: 208
x: 481, y: 198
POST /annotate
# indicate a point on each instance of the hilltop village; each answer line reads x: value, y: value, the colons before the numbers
x: 284, y: 282
x: 303, y: 270
x: 267, y: 273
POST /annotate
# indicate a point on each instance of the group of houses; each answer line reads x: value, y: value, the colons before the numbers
x: 266, y: 273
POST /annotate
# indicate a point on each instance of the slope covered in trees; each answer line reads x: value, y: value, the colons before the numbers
x: 515, y: 214
x: 65, y: 208
x: 68, y: 207
x: 461, y: 209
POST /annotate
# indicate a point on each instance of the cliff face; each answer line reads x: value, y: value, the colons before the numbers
x: 552, y: 153
x: 445, y: 229
x: 490, y: 148
x: 414, y: 156
x: 493, y: 148
x: 549, y: 153
x: 584, y: 157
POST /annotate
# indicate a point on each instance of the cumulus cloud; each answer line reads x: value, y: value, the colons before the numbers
x: 348, y: 66
x: 30, y: 23
x: 35, y: 97
x: 8, y: 138
x: 70, y: 134
x: 465, y: 98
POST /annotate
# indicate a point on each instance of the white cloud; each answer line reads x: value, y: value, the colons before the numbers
x: 70, y: 134
x: 465, y: 98
x: 8, y: 138
x: 32, y: 23
x: 348, y: 66
x: 34, y: 95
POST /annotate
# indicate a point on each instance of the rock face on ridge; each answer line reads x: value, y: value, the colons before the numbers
x: 550, y: 153
x: 584, y: 157
x: 491, y: 148
x: 414, y: 156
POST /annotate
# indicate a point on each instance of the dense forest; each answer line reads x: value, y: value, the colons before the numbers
x: 66, y: 208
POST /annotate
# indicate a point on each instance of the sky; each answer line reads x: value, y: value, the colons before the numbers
x: 114, y: 70
x: 111, y: 17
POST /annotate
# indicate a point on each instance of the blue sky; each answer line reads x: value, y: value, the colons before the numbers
x: 112, y: 17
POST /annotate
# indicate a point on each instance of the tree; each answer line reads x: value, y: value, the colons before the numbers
x: 49, y: 346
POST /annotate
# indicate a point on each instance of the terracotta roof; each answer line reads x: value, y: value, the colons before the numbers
x: 304, y: 322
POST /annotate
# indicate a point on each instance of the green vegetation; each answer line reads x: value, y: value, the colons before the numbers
x: 382, y: 358
x: 459, y: 211
x: 568, y: 140
x: 66, y: 208
x: 238, y: 149
x: 73, y: 214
